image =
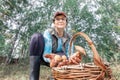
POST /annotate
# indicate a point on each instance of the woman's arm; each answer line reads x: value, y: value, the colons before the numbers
x: 48, y: 45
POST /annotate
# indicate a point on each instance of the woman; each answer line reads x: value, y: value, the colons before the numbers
x: 54, y: 41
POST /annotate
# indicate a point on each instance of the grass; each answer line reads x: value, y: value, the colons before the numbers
x: 116, y: 71
x: 21, y: 71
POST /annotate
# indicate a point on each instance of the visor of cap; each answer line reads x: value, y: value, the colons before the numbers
x: 59, y: 13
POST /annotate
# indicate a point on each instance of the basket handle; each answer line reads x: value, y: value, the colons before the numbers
x: 96, y: 58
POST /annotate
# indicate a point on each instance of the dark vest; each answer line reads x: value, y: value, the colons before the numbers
x: 65, y: 40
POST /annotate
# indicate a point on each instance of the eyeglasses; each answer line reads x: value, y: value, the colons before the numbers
x: 62, y: 19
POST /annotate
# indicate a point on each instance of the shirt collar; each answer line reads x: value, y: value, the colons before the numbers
x: 64, y: 38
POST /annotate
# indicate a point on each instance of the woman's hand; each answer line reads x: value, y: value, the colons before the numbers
x: 53, y: 61
x: 57, y: 60
x: 75, y: 58
x: 62, y: 63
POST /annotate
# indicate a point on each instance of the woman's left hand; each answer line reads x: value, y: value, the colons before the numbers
x: 75, y: 58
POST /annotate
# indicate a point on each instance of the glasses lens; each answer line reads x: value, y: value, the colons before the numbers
x: 58, y: 19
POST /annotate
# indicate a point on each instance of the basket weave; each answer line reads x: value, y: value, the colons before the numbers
x: 85, y: 71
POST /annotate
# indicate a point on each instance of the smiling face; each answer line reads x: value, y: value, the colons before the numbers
x: 60, y: 22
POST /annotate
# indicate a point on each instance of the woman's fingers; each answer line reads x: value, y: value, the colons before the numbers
x: 53, y: 63
x: 77, y: 59
x: 64, y: 62
x: 50, y: 56
x: 74, y: 60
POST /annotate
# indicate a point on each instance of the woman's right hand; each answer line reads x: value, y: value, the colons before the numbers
x: 57, y: 60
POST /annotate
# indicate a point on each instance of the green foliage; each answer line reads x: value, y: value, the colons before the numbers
x: 2, y: 44
x: 19, y: 19
x: 116, y: 29
x: 109, y: 14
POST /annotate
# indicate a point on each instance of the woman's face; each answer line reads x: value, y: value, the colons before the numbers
x: 60, y: 22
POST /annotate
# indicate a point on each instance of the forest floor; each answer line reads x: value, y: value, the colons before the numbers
x: 20, y: 71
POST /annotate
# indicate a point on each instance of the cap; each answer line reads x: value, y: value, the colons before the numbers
x: 59, y: 13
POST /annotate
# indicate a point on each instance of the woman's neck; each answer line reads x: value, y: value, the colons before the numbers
x: 59, y: 32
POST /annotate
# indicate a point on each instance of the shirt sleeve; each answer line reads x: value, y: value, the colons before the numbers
x: 67, y: 50
x: 48, y: 45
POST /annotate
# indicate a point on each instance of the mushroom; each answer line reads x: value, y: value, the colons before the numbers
x: 58, y: 58
x: 64, y: 57
x: 80, y: 50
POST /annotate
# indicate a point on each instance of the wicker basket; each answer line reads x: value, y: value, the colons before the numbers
x: 84, y: 71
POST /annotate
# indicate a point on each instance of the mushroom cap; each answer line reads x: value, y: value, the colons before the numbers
x: 80, y: 49
x: 58, y: 58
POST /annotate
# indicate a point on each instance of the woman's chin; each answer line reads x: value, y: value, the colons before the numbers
x: 61, y: 27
